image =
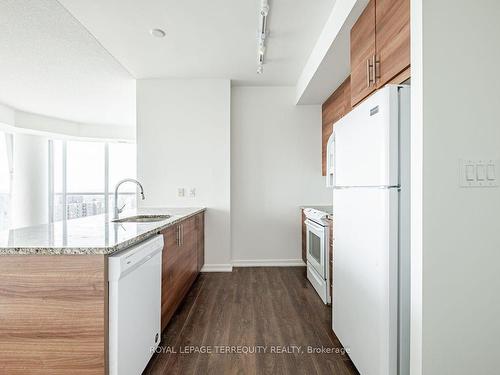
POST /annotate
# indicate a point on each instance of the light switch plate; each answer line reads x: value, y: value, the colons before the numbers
x: 478, y: 172
x: 192, y: 193
x: 181, y: 192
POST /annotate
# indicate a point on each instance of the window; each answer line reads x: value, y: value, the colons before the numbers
x: 4, y: 182
x: 122, y: 160
x: 84, y: 174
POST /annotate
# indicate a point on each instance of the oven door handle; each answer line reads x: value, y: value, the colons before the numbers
x: 313, y: 225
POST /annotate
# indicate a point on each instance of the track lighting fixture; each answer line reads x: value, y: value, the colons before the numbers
x: 262, y: 34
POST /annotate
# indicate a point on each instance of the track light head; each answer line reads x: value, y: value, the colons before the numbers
x: 264, y: 10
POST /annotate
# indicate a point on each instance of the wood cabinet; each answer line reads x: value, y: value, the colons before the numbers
x: 53, y: 314
x: 392, y: 38
x: 200, y: 232
x: 380, y: 54
x: 183, y: 255
x: 363, y: 54
x: 380, y: 47
x: 333, y: 109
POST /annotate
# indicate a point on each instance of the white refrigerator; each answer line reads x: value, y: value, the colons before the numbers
x: 371, y: 211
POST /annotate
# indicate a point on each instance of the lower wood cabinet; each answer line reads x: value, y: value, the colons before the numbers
x: 200, y: 230
x: 53, y: 314
x: 183, y: 257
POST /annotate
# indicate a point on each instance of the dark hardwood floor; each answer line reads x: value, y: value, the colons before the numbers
x: 264, y: 310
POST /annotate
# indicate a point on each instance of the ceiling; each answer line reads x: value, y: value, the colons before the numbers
x: 77, y: 60
x: 205, y: 39
x: 51, y: 65
x: 329, y: 64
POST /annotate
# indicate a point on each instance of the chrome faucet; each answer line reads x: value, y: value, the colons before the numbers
x: 117, y: 210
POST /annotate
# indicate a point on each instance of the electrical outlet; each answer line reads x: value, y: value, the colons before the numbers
x: 181, y: 192
x: 192, y: 192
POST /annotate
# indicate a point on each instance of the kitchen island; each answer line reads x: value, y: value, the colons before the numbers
x: 54, y: 286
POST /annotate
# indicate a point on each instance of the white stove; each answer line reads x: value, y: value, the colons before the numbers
x: 317, y: 242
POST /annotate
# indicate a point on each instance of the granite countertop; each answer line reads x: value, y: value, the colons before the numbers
x: 92, y: 235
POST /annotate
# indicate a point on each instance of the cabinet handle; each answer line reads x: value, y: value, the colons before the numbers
x: 182, y: 234
x: 368, y: 80
x: 370, y: 65
x: 376, y: 72
x: 179, y: 235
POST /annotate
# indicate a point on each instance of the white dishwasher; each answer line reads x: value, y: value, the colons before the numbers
x: 134, y: 277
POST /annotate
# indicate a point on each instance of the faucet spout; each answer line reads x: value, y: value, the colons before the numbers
x: 117, y: 210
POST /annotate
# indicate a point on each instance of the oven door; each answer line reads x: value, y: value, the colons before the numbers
x: 316, y: 251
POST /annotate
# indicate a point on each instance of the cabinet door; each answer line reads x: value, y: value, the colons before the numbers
x: 190, y: 251
x: 200, y: 233
x: 335, y: 107
x: 362, y: 54
x: 179, y: 267
x: 392, y: 39
x: 170, y: 264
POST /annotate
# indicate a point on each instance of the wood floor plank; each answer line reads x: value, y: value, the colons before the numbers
x: 263, y: 310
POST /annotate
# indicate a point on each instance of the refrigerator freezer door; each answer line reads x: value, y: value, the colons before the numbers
x: 366, y: 142
x: 365, y: 277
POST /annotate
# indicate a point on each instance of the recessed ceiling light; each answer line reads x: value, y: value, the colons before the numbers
x: 159, y: 33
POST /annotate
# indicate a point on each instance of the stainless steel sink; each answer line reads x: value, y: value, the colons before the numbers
x: 142, y: 219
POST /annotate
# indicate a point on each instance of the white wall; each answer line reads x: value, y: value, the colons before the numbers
x: 7, y: 116
x: 416, y: 188
x: 456, y: 238
x: 30, y: 182
x: 183, y: 140
x: 275, y: 168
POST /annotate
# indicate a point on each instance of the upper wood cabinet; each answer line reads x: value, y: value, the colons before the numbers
x: 392, y: 33
x: 363, y: 54
x: 380, y: 47
x: 335, y: 107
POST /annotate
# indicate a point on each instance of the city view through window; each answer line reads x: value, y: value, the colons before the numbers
x: 80, y: 172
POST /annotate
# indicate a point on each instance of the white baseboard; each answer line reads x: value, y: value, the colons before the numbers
x: 269, y: 263
x: 217, y: 268
x: 225, y: 267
